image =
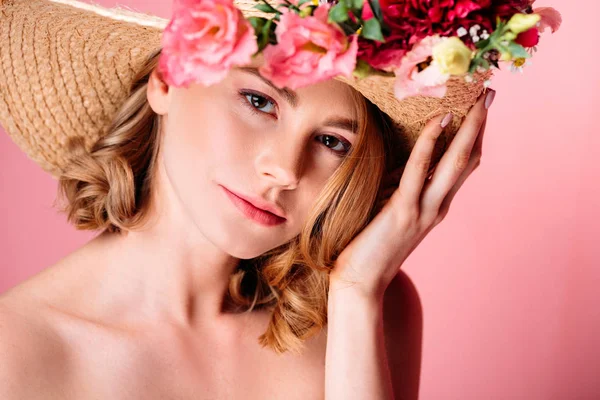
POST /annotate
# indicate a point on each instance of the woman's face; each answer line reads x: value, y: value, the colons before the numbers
x: 244, y: 136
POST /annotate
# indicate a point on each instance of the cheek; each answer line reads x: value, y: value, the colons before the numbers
x: 204, y: 146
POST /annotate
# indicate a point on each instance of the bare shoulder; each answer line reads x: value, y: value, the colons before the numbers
x: 30, y: 350
x: 403, y: 329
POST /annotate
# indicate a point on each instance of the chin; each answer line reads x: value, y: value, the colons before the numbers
x: 234, y: 235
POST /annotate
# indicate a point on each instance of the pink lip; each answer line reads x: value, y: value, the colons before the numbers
x: 256, y: 214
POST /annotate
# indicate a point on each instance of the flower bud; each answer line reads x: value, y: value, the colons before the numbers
x: 522, y: 22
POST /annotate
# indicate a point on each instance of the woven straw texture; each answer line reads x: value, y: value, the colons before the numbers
x: 67, y: 66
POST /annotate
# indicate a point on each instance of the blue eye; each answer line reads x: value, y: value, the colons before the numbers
x: 256, y: 102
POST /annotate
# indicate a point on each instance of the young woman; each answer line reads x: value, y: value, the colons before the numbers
x: 250, y: 245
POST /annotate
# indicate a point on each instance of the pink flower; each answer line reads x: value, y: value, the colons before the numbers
x: 412, y: 79
x: 550, y: 18
x: 308, y: 50
x: 203, y: 40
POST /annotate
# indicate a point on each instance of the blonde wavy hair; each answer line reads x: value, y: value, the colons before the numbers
x: 109, y: 189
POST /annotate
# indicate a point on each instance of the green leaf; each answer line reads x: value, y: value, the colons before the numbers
x: 257, y: 22
x: 338, y: 13
x: 376, y: 9
x: 357, y: 4
x: 478, y: 62
x: 372, y: 30
x: 266, y: 8
x: 482, y: 44
x: 362, y: 69
x: 264, y: 35
x: 517, y: 50
x: 267, y: 27
x: 499, y: 24
x: 348, y: 27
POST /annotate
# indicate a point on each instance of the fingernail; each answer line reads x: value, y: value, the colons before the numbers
x: 489, y: 98
x: 447, y: 119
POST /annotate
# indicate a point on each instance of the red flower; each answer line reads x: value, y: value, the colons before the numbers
x: 529, y: 38
x: 412, y: 20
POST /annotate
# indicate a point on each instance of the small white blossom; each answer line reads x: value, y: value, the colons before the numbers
x: 469, y: 78
x: 484, y: 35
x: 461, y: 31
x: 487, y: 83
x: 474, y: 29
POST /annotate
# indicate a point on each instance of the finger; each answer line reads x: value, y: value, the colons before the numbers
x: 478, y: 146
x: 456, y: 160
x: 417, y: 166
x: 445, y: 205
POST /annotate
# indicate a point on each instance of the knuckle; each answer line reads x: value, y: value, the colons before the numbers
x: 462, y: 160
x: 404, y: 214
x: 421, y: 164
x: 430, y: 218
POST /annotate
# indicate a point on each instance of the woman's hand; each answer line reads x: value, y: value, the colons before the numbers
x: 372, y: 259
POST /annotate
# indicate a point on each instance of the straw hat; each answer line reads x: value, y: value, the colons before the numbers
x: 66, y: 67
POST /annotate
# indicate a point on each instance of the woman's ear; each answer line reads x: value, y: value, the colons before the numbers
x: 158, y: 93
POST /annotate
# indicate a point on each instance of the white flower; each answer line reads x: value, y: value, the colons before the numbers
x: 518, y: 64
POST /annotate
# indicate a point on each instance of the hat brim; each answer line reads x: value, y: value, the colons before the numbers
x: 67, y: 66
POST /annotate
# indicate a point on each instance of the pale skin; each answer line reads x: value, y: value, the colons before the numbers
x: 141, y: 315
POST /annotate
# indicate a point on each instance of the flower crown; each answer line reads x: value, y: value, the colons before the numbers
x: 422, y: 43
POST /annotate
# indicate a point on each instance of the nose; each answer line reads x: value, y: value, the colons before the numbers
x: 280, y: 164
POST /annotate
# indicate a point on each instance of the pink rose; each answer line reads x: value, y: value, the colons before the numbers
x: 412, y: 80
x: 203, y: 40
x: 308, y: 50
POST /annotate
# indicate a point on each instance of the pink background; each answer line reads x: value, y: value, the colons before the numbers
x: 509, y: 282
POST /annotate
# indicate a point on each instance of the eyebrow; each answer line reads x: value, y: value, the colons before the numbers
x: 292, y: 98
x: 289, y: 95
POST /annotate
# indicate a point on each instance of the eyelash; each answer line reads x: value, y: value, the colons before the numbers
x: 247, y: 103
